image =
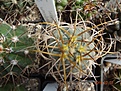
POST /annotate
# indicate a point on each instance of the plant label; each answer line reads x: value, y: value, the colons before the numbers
x: 112, y: 58
x: 51, y: 87
x: 48, y: 10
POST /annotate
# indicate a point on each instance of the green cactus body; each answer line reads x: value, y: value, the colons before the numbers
x: 70, y: 47
x: 15, y: 52
x: 11, y: 87
x: 74, y: 48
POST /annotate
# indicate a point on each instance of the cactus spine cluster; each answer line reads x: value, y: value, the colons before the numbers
x: 71, y: 49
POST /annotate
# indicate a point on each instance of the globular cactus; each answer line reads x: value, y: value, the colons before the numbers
x: 16, y: 5
x: 68, y: 9
x: 72, y: 49
x: 62, y: 4
x: 16, y: 54
x: 16, y: 9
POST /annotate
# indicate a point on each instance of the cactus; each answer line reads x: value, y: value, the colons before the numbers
x: 86, y: 9
x: 71, y: 49
x: 16, y: 4
x: 62, y: 4
x: 16, y: 54
x: 11, y: 87
x: 13, y: 11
